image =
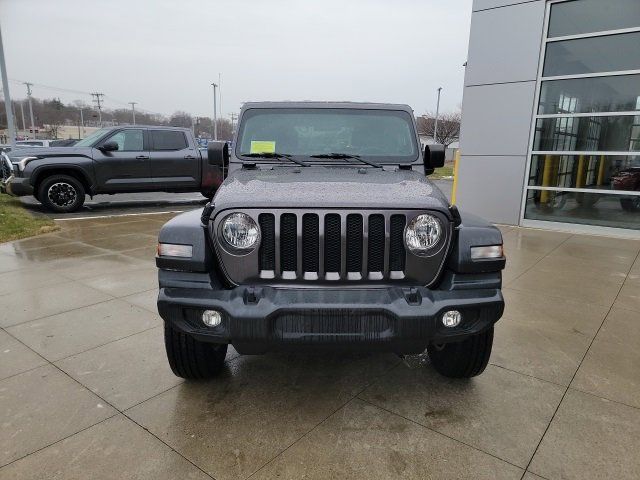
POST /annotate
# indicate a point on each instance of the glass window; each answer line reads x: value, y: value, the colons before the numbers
x: 372, y: 134
x: 587, y: 16
x: 592, y: 55
x: 592, y: 134
x: 584, y: 95
x: 128, y: 140
x: 168, y: 140
x: 606, y: 210
x: 586, y: 171
x: 90, y: 139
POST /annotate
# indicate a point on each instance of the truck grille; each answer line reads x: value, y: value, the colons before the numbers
x: 332, y: 246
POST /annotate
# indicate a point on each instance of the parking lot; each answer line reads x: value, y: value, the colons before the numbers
x: 86, y: 392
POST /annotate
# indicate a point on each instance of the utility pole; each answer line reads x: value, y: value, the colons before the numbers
x: 7, y: 96
x: 133, y: 111
x: 435, y: 127
x: 220, y: 93
x: 24, y: 124
x: 81, y: 124
x: 233, y: 121
x: 97, y: 98
x: 33, y: 125
x: 215, y: 112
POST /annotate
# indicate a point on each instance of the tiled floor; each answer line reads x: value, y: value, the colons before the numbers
x: 86, y: 392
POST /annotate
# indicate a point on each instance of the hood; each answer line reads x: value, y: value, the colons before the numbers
x: 329, y: 187
x: 18, y: 153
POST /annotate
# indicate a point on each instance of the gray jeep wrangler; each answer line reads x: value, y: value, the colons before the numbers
x: 327, y: 234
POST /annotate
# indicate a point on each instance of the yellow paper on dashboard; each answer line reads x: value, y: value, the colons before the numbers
x: 260, y: 146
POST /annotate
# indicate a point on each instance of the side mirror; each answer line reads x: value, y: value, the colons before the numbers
x: 218, y: 154
x: 109, y: 147
x: 433, y: 158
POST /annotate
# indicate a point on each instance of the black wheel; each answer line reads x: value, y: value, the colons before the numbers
x: 190, y: 358
x: 61, y: 193
x: 464, y: 359
x: 630, y: 204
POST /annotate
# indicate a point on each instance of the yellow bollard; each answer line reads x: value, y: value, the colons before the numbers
x: 456, y: 162
x: 581, y: 172
x: 547, y: 174
x: 601, y: 171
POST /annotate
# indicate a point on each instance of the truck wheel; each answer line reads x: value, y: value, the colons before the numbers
x: 630, y: 204
x: 464, y: 359
x: 190, y: 358
x: 61, y: 193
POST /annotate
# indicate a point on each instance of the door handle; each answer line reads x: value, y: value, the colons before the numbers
x: 142, y: 157
x: 189, y: 157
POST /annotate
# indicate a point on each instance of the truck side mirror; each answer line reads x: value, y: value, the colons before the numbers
x: 218, y: 154
x: 109, y: 147
x: 433, y: 157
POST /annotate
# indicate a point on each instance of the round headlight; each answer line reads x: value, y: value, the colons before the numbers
x: 240, y: 231
x: 423, y: 233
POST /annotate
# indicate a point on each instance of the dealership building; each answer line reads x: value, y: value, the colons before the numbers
x: 551, y: 115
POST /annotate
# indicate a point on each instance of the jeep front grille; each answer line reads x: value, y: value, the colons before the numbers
x: 333, y: 246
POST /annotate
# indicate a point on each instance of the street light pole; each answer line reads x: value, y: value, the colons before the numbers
x: 215, y: 112
x: 435, y: 127
x: 7, y: 98
x: 133, y: 111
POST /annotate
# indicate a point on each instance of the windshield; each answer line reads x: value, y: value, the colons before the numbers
x: 382, y: 136
x: 91, y: 139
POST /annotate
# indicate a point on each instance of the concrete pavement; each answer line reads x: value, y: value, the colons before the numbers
x: 85, y: 389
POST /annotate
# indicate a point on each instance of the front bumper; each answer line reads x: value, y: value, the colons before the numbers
x: 16, y: 186
x: 259, y: 319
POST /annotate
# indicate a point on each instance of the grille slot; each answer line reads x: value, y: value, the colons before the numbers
x: 288, y: 242
x: 375, y: 258
x: 354, y: 243
x: 267, y: 251
x: 310, y: 242
x: 396, y: 243
x: 332, y: 245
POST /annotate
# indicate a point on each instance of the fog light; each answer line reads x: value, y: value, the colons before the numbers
x: 451, y: 319
x: 211, y: 318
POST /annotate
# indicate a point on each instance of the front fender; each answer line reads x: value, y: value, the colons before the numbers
x: 186, y: 229
x: 474, y: 231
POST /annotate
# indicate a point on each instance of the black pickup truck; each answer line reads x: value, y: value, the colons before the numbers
x: 122, y: 159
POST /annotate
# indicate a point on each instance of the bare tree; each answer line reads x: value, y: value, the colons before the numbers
x: 448, y: 126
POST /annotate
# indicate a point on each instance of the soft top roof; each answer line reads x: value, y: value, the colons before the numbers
x: 315, y: 104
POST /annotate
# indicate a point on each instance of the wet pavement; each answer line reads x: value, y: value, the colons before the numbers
x: 86, y: 392
x: 123, y: 204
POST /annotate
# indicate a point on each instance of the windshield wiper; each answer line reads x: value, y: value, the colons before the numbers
x: 286, y: 156
x: 338, y: 156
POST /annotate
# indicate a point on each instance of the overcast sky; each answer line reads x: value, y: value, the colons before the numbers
x: 164, y: 54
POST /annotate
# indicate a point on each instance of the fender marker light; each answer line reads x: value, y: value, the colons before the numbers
x: 487, y: 252
x: 173, y: 250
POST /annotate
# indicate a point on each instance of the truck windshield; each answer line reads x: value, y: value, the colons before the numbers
x: 91, y: 138
x: 329, y: 134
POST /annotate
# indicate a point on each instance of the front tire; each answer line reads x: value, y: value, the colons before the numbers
x: 190, y: 358
x: 61, y: 193
x: 464, y: 359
